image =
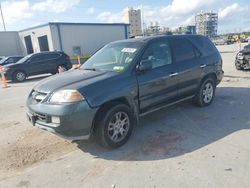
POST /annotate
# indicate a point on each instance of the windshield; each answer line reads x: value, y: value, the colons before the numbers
x: 24, y: 59
x: 113, y: 57
x: 3, y: 60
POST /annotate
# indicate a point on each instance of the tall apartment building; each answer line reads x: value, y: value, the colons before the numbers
x: 133, y: 17
x: 207, y: 23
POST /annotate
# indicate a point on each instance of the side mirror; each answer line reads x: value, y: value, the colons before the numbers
x: 144, y: 65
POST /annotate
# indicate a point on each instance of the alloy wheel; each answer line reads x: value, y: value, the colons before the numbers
x: 118, y: 126
x: 207, y: 93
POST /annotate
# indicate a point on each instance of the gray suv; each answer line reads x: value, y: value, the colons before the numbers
x: 124, y: 80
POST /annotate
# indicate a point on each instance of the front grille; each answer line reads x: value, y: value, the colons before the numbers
x: 40, y: 117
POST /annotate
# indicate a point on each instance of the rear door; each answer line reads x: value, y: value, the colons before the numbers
x: 52, y: 61
x: 158, y: 85
x: 44, y: 63
x: 37, y: 64
x: 187, y: 58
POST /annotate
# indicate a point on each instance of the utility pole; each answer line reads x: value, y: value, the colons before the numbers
x: 2, y: 17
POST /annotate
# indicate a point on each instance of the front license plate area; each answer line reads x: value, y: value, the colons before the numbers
x: 31, y: 119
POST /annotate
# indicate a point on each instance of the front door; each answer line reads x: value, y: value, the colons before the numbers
x: 157, y: 85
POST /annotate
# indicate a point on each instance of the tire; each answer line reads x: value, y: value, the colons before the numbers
x: 19, y: 76
x: 206, y: 92
x: 238, y: 67
x: 111, y: 131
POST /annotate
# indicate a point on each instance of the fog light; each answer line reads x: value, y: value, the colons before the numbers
x: 55, y: 120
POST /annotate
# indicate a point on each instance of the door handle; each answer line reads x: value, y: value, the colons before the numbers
x: 173, y: 74
x: 203, y: 65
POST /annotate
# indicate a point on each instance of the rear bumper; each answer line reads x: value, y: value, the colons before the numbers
x: 220, y: 75
x: 75, y: 119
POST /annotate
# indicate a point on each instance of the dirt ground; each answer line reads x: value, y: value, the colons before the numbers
x: 23, y: 146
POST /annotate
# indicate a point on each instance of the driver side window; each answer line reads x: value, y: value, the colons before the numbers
x: 158, y: 53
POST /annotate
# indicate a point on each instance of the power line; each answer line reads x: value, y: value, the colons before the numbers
x: 2, y: 17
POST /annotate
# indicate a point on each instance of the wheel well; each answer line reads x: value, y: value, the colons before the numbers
x: 211, y: 75
x: 121, y: 100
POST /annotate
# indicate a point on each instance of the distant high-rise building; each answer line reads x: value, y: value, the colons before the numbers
x: 207, y: 23
x: 133, y: 17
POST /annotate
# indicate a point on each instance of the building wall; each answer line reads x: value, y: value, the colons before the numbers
x: 34, y: 34
x: 9, y: 44
x: 89, y: 38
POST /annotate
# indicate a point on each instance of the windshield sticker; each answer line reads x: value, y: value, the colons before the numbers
x: 129, y: 50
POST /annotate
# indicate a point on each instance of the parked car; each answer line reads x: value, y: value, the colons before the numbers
x: 124, y: 80
x: 242, y: 60
x: 1, y: 57
x: 37, y: 63
x: 10, y: 60
x: 219, y: 41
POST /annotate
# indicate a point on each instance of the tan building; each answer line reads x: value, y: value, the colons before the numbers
x: 133, y: 17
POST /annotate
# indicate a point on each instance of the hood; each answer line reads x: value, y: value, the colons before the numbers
x: 73, y: 79
x: 9, y: 65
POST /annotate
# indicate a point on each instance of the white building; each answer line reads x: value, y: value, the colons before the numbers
x: 72, y: 38
x: 207, y: 24
x: 133, y: 17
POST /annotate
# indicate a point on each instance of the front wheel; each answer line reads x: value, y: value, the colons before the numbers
x: 206, y: 92
x: 114, y: 125
x: 19, y: 76
x: 238, y: 67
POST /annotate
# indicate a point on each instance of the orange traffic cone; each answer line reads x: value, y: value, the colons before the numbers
x: 4, y: 81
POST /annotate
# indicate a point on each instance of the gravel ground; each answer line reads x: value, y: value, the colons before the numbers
x: 181, y: 146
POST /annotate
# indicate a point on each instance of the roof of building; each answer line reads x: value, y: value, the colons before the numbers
x: 72, y: 23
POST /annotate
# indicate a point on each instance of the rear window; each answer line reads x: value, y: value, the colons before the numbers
x: 183, y: 49
x: 204, y: 45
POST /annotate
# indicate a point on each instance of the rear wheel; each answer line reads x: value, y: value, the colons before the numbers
x: 206, y: 92
x: 19, y: 76
x: 114, y: 125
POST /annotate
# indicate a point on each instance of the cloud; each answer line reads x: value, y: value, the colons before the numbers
x: 16, y: 10
x: 172, y: 15
x: 229, y: 10
x: 91, y: 10
x: 56, y: 6
x: 182, y: 12
x: 21, y: 10
x: 109, y: 17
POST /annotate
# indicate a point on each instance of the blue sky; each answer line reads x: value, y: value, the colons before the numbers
x: 234, y: 15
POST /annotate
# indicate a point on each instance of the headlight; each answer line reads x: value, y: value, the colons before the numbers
x: 65, y: 96
x: 240, y: 56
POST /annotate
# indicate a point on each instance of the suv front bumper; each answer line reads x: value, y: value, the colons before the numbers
x: 74, y: 120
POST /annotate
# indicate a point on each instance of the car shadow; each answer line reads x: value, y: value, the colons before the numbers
x: 181, y: 129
